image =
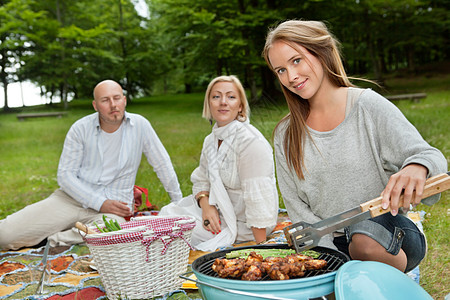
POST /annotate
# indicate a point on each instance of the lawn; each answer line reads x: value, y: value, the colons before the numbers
x: 30, y: 153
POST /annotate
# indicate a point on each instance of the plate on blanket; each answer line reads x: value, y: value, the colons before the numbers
x: 92, y: 265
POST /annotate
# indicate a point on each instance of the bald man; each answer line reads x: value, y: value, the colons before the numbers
x: 96, y: 174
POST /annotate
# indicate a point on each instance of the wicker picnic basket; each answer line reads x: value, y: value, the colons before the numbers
x: 145, y: 258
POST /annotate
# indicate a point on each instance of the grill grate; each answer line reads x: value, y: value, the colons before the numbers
x: 335, y: 260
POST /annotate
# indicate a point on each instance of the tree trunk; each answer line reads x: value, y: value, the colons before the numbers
x: 128, y: 84
x: 375, y: 62
x: 187, y: 88
x: 269, y: 88
x: 250, y: 75
x: 21, y: 93
x: 3, y: 74
x: 410, y: 56
x: 251, y: 82
x: 63, y: 85
x: 219, y: 66
x: 5, y: 93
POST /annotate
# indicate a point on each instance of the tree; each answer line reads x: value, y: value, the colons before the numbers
x: 215, y: 37
x: 66, y: 46
x: 80, y: 47
x: 16, y: 18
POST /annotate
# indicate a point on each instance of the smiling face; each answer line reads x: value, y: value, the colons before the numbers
x: 110, y: 104
x: 224, y: 102
x: 298, y: 70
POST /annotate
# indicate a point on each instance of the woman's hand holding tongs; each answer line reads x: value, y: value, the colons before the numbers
x: 410, y: 182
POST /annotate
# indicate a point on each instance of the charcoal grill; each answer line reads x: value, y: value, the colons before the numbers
x: 315, y: 283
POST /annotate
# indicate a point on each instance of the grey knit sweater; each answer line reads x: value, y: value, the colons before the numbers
x: 352, y: 163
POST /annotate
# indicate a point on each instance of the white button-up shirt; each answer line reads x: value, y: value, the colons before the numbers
x: 81, y: 162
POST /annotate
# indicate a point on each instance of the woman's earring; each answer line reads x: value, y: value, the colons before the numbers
x: 210, y: 121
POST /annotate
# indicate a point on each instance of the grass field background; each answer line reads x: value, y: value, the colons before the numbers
x: 30, y: 153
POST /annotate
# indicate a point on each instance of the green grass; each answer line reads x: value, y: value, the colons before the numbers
x: 30, y: 153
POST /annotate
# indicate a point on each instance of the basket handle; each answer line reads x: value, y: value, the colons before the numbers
x: 84, y: 228
x: 185, y: 221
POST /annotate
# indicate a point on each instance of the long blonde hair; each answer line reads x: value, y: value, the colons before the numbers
x: 315, y: 37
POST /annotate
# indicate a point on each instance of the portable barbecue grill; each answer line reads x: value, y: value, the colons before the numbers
x: 315, y: 283
x: 303, y: 236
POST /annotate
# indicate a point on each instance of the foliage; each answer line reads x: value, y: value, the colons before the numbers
x: 16, y: 20
x: 84, y: 46
x: 66, y: 47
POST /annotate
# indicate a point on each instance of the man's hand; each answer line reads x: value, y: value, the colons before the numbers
x: 115, y: 207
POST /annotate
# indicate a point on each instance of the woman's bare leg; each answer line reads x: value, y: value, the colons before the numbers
x: 365, y: 248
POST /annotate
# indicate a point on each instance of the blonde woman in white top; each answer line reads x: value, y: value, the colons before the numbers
x: 234, y: 195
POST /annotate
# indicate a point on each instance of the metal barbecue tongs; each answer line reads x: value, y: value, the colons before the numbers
x: 303, y: 236
x: 40, y: 288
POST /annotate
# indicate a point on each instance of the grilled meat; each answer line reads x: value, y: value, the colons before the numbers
x: 231, y: 268
x: 297, y: 269
x: 279, y: 271
x: 315, y: 264
x: 253, y: 258
x: 253, y: 273
x: 298, y: 257
x: 277, y: 268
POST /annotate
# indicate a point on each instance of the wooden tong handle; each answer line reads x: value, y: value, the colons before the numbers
x: 434, y: 185
x: 84, y: 228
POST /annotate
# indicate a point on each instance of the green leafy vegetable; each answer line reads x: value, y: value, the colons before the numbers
x: 263, y: 252
x: 110, y: 225
x: 312, y: 253
x: 269, y: 252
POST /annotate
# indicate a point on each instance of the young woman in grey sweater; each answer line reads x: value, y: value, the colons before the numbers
x: 340, y: 146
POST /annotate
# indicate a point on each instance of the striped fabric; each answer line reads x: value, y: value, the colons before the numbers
x: 81, y: 162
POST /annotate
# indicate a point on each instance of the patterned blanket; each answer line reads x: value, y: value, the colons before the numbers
x: 72, y: 275
x: 69, y: 272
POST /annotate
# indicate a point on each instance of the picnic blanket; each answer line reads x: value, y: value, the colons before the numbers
x: 73, y: 275
x: 69, y: 268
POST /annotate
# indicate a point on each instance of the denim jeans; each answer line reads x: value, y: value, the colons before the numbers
x: 393, y: 233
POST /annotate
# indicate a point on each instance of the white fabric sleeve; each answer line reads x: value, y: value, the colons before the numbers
x: 69, y: 166
x: 257, y: 175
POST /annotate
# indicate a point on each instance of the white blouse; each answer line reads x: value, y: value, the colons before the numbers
x: 248, y: 174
